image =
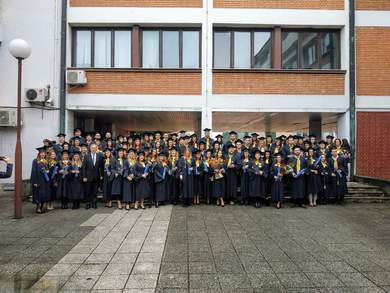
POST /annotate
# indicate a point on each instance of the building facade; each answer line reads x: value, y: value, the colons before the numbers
x: 268, y: 66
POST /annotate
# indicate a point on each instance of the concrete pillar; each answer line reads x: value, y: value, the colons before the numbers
x: 207, y: 119
x: 315, y: 122
x: 343, y: 125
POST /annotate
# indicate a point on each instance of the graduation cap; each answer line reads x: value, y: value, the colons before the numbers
x: 83, y: 145
x: 306, y: 142
x: 310, y: 148
x: 261, y: 138
x: 193, y: 135
x: 157, y: 132
x: 77, y: 152
x: 207, y: 129
x: 65, y: 152
x: 76, y: 138
x: 131, y: 150
x: 269, y: 135
x: 254, y: 134
x: 173, y: 149
x: 61, y: 134
x: 137, y: 137
x: 279, y: 154
x: 181, y: 137
x: 119, y: 136
x: 186, y: 136
x: 66, y: 144
x: 231, y: 146
x: 41, y: 149
x: 290, y: 136
x: 312, y: 135
x: 330, y: 137
x: 163, y: 153
x: 53, y: 142
x: 216, y: 142
x: 202, y: 142
x: 246, y: 137
x: 239, y: 141
x: 219, y: 136
x: 208, y: 150
x: 195, y: 151
x: 76, y: 129
x: 322, y: 142
x: 283, y: 137
x: 256, y: 151
x: 121, y: 150
x: 297, y: 147
x: 141, y: 152
x: 232, y: 132
x: 174, y: 134
x: 245, y: 149
x: 146, y: 148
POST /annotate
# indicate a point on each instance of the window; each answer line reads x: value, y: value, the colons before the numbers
x: 242, y: 49
x: 122, y: 49
x: 102, y: 48
x: 170, y: 48
x: 83, y: 49
x: 310, y: 50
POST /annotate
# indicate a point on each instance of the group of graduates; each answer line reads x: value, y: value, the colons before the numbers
x: 166, y: 168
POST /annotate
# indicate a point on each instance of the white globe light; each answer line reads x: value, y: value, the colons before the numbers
x: 19, y: 49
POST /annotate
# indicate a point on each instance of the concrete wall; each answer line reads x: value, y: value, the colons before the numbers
x: 38, y: 22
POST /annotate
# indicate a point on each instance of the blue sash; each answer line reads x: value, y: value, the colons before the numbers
x: 300, y: 173
x: 45, y: 176
x: 146, y: 171
x: 65, y: 172
x: 164, y: 173
x: 55, y: 170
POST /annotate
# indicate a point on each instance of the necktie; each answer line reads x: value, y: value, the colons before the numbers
x: 94, y: 159
x: 298, y: 165
x: 335, y: 165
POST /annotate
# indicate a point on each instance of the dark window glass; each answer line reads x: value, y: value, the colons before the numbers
x: 222, y: 50
x: 122, y: 49
x: 289, y: 50
x: 329, y: 51
x: 262, y: 48
x: 103, y: 49
x: 310, y: 50
x: 150, y: 49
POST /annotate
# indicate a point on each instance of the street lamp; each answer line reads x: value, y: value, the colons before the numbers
x: 20, y: 49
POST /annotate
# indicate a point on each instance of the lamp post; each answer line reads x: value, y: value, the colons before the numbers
x: 21, y: 50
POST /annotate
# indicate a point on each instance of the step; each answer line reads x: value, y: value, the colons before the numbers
x: 361, y: 185
x: 365, y: 191
x: 371, y: 199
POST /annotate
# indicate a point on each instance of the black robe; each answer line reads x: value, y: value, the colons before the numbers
x: 63, y: 177
x: 219, y: 187
x: 129, y: 191
x: 161, y: 182
x: 231, y: 177
x: 313, y: 181
x: 325, y: 181
x: 53, y: 181
x: 117, y: 169
x: 298, y: 183
x: 277, y: 188
x: 199, y: 178
x: 107, y: 181
x: 142, y: 185
x: 41, y: 192
x: 173, y: 181
x: 186, y: 171
x: 244, y: 188
x: 256, y: 180
x: 339, y: 181
x: 76, y: 186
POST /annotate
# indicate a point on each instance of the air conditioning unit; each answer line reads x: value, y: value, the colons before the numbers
x: 8, y: 118
x: 76, y: 77
x: 37, y: 95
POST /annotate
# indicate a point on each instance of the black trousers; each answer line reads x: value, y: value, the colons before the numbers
x: 91, y: 192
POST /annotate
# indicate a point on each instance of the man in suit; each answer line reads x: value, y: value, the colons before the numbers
x: 8, y: 171
x: 92, y: 172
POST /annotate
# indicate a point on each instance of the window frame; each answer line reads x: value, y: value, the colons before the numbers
x: 93, y: 30
x: 320, y: 32
x: 160, y: 50
x: 252, y: 32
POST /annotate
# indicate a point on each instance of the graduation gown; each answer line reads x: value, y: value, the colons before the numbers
x: 117, y: 169
x: 142, y: 185
x: 244, y: 188
x: 256, y: 180
x: 207, y: 183
x: 76, y: 186
x: 161, y: 182
x: 298, y: 184
x: 267, y: 177
x: 107, y: 180
x: 41, y: 192
x: 129, y: 186
x: 199, y: 170
x: 173, y: 181
x: 325, y: 180
x: 277, y: 188
x: 186, y: 170
x: 63, y: 177
x: 339, y: 181
x: 313, y: 181
x: 231, y: 176
x: 219, y: 180
x: 53, y: 181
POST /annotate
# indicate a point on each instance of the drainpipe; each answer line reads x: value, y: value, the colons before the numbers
x: 64, y: 8
x: 352, y: 85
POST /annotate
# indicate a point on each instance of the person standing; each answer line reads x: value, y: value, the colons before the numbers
x: 40, y: 181
x: 186, y: 175
x: 76, y: 190
x: 339, y: 173
x: 92, y: 173
x: 117, y: 168
x: 256, y: 179
x: 218, y: 166
x: 129, y: 193
x: 244, y: 166
x: 8, y: 170
x: 277, y: 172
x: 231, y: 164
x: 142, y: 185
x: 161, y: 179
x: 298, y: 165
x: 63, y: 179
